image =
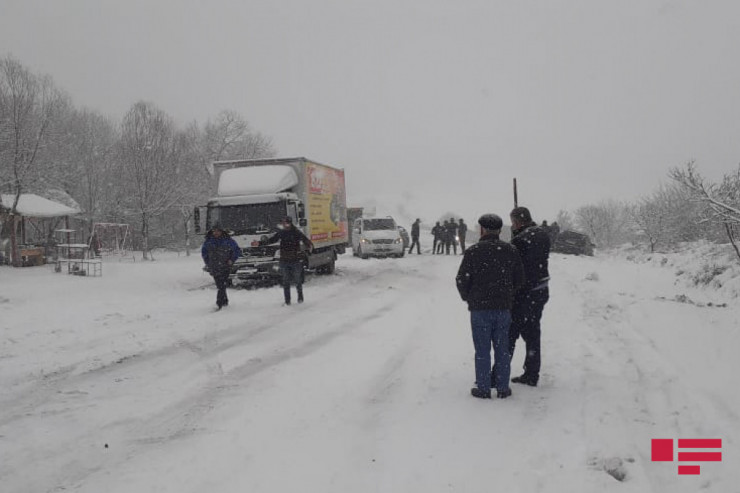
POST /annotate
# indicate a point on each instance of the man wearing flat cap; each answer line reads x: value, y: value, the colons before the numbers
x: 490, y: 273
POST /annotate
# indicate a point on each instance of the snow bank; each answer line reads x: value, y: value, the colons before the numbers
x: 713, y: 268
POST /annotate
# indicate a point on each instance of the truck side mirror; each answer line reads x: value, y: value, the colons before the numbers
x: 303, y: 222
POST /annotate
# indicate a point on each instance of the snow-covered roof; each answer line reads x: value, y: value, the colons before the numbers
x: 256, y: 180
x: 33, y: 205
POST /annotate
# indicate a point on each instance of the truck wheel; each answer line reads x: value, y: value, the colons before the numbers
x: 329, y: 268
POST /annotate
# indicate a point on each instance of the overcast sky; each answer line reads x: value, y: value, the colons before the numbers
x: 440, y: 103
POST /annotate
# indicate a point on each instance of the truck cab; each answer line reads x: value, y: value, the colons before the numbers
x: 376, y: 237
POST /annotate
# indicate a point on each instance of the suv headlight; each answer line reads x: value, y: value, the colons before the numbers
x: 399, y: 240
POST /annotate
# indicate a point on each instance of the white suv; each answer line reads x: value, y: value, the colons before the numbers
x: 376, y: 237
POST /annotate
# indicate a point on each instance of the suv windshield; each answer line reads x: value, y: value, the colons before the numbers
x: 247, y: 219
x: 379, y: 224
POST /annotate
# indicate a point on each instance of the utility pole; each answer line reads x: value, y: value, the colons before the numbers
x: 516, y: 198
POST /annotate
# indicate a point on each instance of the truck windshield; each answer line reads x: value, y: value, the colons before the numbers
x: 247, y: 219
x: 379, y: 224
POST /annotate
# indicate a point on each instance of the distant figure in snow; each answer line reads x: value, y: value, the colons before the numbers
x: 437, y: 232
x: 291, y: 256
x: 219, y: 252
x: 415, y: 237
x: 547, y: 230
x: 451, y: 238
x: 533, y: 245
x: 490, y: 273
x: 554, y: 232
x: 462, y: 230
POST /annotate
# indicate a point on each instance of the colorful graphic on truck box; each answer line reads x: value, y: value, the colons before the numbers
x: 327, y: 203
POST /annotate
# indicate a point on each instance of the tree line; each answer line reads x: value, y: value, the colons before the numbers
x: 142, y: 169
x: 686, y: 208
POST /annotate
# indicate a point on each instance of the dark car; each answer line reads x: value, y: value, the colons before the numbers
x: 573, y: 243
x: 404, y: 236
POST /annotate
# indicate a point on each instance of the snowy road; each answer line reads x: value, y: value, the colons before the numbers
x: 128, y: 383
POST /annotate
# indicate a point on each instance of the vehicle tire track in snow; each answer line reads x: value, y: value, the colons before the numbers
x: 180, y: 418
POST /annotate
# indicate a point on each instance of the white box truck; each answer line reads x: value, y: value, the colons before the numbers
x: 253, y: 196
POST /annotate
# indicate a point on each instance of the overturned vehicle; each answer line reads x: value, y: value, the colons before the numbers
x: 573, y: 243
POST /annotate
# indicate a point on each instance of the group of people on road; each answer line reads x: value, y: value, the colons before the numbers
x: 506, y: 288
x: 220, y: 251
x: 446, y: 236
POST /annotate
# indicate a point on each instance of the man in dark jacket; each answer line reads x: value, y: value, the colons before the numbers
x: 415, y: 237
x: 451, y: 237
x: 291, y: 256
x: 462, y: 230
x: 219, y: 253
x: 490, y: 273
x: 438, y: 233
x: 533, y: 245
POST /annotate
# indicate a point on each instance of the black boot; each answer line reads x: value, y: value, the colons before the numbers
x: 526, y: 380
x: 480, y: 394
x: 286, y: 292
x: 503, y: 394
x: 299, y: 289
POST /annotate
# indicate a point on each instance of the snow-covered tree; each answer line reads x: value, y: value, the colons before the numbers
x: 29, y: 107
x: 607, y: 223
x: 150, y: 159
x: 722, y: 201
x: 565, y: 220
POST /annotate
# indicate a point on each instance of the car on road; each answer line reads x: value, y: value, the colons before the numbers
x: 376, y: 237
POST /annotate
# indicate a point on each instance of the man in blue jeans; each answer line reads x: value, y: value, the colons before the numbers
x: 490, y: 273
x: 291, y: 256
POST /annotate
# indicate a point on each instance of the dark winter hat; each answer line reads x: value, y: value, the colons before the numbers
x: 491, y: 222
x: 522, y: 214
x: 217, y: 226
x: 288, y: 219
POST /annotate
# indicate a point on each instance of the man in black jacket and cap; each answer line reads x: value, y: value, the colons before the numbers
x: 415, y: 237
x: 451, y: 238
x: 533, y: 244
x: 490, y: 273
x: 462, y: 231
x: 291, y: 256
x: 438, y: 233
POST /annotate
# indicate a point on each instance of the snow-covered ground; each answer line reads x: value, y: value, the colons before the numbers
x: 129, y: 383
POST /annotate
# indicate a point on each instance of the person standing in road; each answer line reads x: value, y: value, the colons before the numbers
x: 415, y: 237
x: 451, y: 238
x: 462, y: 230
x: 490, y: 273
x: 554, y: 232
x: 291, y: 256
x: 437, y: 234
x: 533, y: 245
x: 219, y: 252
